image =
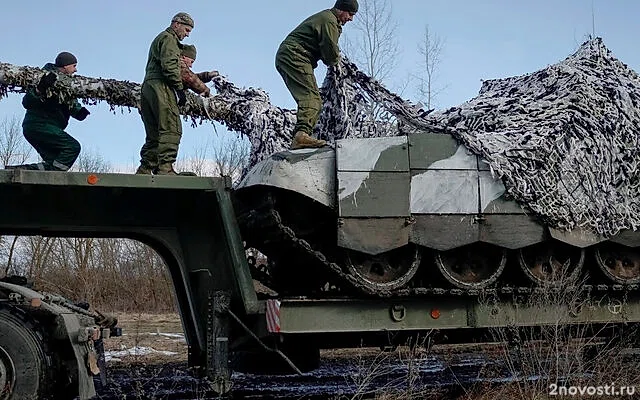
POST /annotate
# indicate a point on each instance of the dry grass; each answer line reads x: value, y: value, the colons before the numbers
x: 146, y: 330
x: 531, y: 360
x: 140, y: 322
x: 537, y: 358
x: 554, y: 354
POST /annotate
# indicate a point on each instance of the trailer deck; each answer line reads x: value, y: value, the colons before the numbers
x: 189, y: 221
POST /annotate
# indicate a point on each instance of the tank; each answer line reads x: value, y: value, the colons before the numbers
x: 406, y: 215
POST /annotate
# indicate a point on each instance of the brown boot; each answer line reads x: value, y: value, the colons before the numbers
x: 166, y: 169
x: 143, y: 170
x: 302, y: 140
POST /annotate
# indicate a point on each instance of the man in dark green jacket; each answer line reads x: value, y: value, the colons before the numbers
x: 316, y: 38
x: 158, y: 103
x: 47, y: 117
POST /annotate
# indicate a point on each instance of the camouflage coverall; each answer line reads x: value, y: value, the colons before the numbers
x: 316, y: 38
x: 43, y: 127
x: 158, y: 104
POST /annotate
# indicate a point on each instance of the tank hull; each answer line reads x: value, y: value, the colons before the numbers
x: 429, y: 192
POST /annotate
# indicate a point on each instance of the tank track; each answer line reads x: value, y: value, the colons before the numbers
x: 267, y: 219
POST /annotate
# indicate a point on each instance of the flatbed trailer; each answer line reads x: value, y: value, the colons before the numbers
x: 304, y: 316
x: 190, y: 222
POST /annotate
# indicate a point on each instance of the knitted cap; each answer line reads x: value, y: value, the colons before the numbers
x: 347, y: 5
x: 183, y: 18
x: 65, y: 58
x: 189, y: 50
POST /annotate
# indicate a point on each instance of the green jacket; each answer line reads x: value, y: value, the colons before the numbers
x: 316, y: 38
x: 163, y: 62
x: 47, y: 112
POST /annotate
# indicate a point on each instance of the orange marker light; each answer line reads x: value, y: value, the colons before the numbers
x: 435, y: 313
x: 92, y: 179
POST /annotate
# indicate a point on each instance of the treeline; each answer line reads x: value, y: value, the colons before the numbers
x: 110, y: 274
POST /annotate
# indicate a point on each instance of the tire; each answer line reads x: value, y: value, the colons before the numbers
x: 24, y: 366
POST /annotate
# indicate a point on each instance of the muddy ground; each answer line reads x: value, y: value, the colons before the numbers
x: 150, y: 362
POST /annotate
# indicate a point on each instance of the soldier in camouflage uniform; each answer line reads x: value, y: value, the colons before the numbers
x: 316, y: 38
x: 158, y: 103
x: 46, y: 119
x: 195, y: 82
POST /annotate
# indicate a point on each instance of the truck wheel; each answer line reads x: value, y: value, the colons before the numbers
x: 23, y: 363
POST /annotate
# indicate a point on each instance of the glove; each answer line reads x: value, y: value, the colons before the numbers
x: 46, y: 82
x: 206, y: 92
x: 82, y: 114
x: 212, y: 74
x: 182, y: 98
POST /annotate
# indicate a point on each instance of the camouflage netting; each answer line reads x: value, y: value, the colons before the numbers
x: 116, y: 93
x: 563, y: 140
x: 244, y: 110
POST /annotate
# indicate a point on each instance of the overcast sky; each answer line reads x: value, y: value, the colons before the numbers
x: 482, y: 40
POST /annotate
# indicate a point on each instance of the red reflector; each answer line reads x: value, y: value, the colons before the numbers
x: 92, y: 179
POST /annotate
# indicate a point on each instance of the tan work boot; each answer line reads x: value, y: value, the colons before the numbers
x: 142, y: 170
x: 302, y: 140
x: 166, y: 169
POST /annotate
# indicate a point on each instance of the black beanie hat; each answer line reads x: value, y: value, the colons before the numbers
x: 347, y: 5
x: 65, y: 58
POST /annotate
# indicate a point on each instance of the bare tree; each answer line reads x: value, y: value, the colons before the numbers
x: 375, y: 48
x: 226, y: 157
x: 156, y: 276
x: 14, y: 149
x: 231, y: 156
x: 92, y: 161
x: 76, y: 257
x: 430, y: 49
x: 10, y: 253
x: 198, y: 161
x: 36, y: 252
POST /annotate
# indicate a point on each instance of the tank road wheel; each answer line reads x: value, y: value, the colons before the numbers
x: 474, y: 266
x: 383, y: 272
x: 24, y: 367
x: 619, y: 263
x: 551, y: 262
